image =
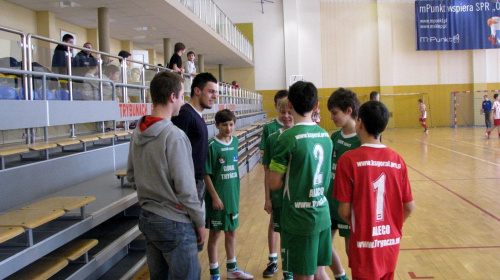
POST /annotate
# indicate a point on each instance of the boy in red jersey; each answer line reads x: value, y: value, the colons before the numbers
x: 423, y: 115
x: 371, y: 183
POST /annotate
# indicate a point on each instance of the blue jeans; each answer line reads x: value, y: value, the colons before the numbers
x: 171, y: 248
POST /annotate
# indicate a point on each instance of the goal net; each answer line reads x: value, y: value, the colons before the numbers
x: 465, y: 107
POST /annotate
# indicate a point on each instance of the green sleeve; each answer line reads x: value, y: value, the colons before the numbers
x: 281, y: 154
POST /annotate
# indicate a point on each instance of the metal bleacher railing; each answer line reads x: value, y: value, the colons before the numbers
x: 212, y: 15
x: 240, y: 100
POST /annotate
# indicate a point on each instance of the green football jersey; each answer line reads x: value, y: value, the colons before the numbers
x: 269, y: 129
x: 276, y: 195
x: 304, y: 153
x: 222, y: 166
x: 341, y: 144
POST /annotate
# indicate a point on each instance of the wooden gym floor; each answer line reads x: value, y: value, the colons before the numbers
x: 454, y: 232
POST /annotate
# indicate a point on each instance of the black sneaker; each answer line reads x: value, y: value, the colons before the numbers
x: 272, y: 267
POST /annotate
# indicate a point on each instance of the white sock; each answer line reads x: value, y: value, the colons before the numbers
x: 273, y: 255
x: 340, y: 274
x: 213, y: 265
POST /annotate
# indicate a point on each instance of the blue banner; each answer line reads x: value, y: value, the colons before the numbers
x: 457, y: 24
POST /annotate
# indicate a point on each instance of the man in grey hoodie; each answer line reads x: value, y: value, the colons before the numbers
x: 159, y: 164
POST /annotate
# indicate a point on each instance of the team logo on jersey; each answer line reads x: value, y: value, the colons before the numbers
x: 334, y: 154
x: 235, y: 158
x: 222, y: 160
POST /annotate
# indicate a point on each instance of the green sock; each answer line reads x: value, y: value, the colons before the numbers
x: 214, y: 271
x: 273, y: 259
x: 231, y: 266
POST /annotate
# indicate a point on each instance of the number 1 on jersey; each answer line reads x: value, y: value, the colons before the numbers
x: 379, y: 187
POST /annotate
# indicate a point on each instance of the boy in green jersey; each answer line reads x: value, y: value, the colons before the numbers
x: 222, y: 202
x: 303, y: 152
x: 343, y: 105
x: 276, y: 197
x: 272, y: 236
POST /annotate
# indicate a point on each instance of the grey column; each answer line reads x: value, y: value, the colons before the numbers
x: 103, y: 29
x: 201, y: 63
x: 221, y: 73
x: 167, y: 51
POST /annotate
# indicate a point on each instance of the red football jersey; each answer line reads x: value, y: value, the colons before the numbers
x: 374, y: 179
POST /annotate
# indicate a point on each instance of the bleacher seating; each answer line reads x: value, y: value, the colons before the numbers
x: 8, y: 93
x: 38, y: 216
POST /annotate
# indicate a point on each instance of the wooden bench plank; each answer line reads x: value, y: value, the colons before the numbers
x: 42, y: 145
x: 142, y: 274
x: 73, y: 250
x: 121, y: 174
x: 12, y: 150
x: 67, y: 141
x: 106, y: 135
x: 121, y: 133
x: 41, y: 269
x: 241, y: 159
x: 7, y: 233
x: 87, y: 138
x: 67, y: 203
x: 30, y: 218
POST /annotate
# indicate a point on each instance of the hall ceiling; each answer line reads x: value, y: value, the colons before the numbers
x: 146, y: 23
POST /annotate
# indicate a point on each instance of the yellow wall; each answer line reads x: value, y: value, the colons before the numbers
x: 404, y: 109
x: 9, y: 17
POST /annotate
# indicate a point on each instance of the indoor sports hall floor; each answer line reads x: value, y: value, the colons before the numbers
x: 454, y: 232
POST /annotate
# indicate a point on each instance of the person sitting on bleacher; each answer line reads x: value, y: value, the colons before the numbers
x: 91, y: 88
x: 163, y: 174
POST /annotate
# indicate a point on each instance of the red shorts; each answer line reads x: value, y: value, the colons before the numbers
x: 496, y: 122
x: 421, y: 120
x: 388, y: 276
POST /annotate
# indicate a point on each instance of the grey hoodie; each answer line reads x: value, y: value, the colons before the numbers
x: 161, y: 167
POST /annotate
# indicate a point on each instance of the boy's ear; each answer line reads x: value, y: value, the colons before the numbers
x: 197, y: 91
x: 348, y: 111
x: 316, y: 106
x: 290, y: 106
x: 171, y: 97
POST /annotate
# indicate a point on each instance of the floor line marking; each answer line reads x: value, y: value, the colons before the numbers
x: 450, y: 248
x: 455, y: 193
x: 453, y: 151
x: 469, y: 143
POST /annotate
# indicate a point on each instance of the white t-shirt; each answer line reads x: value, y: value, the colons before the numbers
x: 190, y: 67
x: 496, y: 110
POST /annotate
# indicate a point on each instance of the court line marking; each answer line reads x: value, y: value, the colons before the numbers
x: 469, y: 143
x: 450, y: 248
x: 455, y: 193
x: 450, y: 150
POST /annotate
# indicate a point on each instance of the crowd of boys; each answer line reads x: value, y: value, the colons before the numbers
x: 315, y: 184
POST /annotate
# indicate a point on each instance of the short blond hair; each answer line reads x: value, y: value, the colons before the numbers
x: 283, y: 103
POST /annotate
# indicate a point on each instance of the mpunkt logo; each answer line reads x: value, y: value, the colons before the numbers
x: 455, y: 39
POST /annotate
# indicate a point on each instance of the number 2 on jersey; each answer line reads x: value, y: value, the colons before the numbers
x: 319, y: 156
x: 379, y: 188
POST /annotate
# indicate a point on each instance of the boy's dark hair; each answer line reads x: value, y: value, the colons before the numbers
x: 343, y: 99
x: 201, y: 80
x: 124, y: 54
x: 190, y: 53
x: 280, y: 94
x: 495, y: 95
x: 375, y: 117
x: 67, y: 37
x: 163, y: 85
x: 420, y: 100
x: 179, y: 46
x: 224, y: 116
x: 373, y: 95
x: 303, y: 96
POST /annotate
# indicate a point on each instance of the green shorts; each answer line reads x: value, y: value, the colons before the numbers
x: 337, y: 222
x: 277, y: 219
x: 226, y: 222
x: 302, y: 254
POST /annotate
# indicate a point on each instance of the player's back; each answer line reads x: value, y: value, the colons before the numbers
x: 307, y: 148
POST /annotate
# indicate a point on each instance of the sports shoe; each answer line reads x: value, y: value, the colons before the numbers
x: 271, y: 268
x: 215, y: 277
x: 238, y: 274
x: 426, y: 131
x: 344, y: 277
